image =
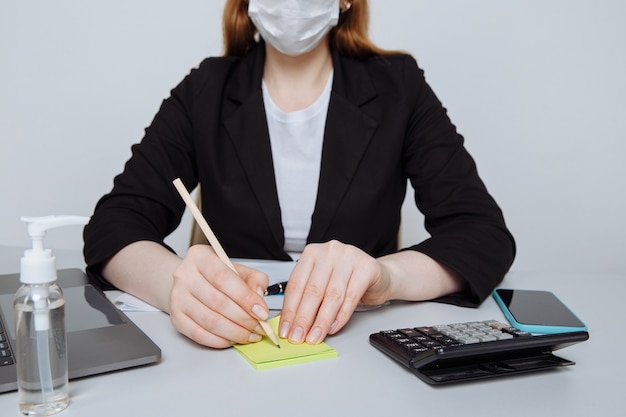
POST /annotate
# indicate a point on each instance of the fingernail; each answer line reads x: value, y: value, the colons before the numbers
x: 284, y: 330
x: 260, y: 291
x: 259, y: 330
x: 314, y: 336
x: 254, y: 338
x: 260, y: 312
x: 297, y: 335
x: 333, y: 326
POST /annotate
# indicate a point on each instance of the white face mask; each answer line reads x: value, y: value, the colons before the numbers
x: 294, y: 27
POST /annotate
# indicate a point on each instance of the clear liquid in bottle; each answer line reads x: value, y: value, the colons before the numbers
x: 41, y: 355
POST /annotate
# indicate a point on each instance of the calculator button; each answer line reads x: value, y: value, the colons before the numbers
x: 467, y: 339
x: 443, y: 328
x: 431, y: 344
x: 427, y: 330
x: 419, y: 349
x: 410, y: 332
x: 496, y: 324
x: 402, y: 340
x: 415, y: 347
x: 486, y: 338
x: 516, y: 332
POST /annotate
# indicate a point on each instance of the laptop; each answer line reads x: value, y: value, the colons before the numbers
x: 100, y: 338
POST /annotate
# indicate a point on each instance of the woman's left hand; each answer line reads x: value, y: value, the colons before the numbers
x: 328, y: 282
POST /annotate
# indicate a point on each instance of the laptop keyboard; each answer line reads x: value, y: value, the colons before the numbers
x: 6, y: 357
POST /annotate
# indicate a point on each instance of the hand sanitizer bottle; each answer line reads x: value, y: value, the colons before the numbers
x: 39, y: 312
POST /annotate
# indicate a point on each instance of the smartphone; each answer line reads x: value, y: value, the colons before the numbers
x: 537, y: 311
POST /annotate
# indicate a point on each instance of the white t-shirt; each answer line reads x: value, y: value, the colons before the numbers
x: 296, y: 139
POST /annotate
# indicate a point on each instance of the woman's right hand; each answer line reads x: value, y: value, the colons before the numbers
x: 214, y: 306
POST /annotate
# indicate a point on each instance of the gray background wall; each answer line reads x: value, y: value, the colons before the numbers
x: 536, y: 87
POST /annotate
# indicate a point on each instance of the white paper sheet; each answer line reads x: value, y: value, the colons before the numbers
x: 277, y: 271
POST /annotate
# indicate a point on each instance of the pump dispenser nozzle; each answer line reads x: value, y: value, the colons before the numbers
x: 38, y: 265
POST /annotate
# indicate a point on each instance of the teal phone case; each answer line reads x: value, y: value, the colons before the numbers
x: 536, y: 327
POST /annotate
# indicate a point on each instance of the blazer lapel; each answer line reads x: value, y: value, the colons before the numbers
x: 246, y: 124
x: 349, y: 130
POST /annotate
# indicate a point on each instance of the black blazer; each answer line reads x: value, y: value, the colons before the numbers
x: 384, y: 127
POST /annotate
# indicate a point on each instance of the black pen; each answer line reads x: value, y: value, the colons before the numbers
x: 277, y: 288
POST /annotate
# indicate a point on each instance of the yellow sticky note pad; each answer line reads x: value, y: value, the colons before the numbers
x: 265, y: 354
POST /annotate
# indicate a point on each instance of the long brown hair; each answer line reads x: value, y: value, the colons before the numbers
x: 350, y: 36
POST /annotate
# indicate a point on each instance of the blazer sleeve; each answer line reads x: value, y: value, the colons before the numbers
x: 467, y: 230
x: 143, y: 204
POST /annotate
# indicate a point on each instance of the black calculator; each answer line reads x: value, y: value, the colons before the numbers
x: 468, y: 351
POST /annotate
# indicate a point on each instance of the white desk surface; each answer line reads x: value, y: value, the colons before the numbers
x: 192, y: 380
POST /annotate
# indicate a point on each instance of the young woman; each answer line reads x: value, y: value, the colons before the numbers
x: 302, y: 137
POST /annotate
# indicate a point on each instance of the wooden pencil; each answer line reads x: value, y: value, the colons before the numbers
x: 217, y: 247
